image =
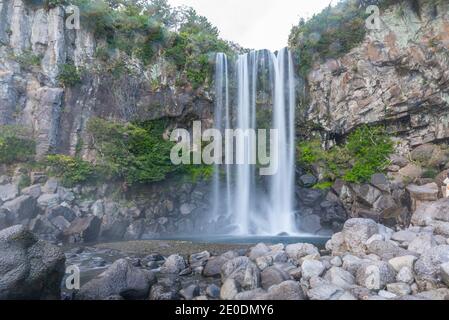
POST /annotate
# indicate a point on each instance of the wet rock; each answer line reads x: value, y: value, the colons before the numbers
x: 29, y: 268
x: 122, y: 279
x: 271, y: 276
x: 307, y: 180
x: 83, y: 230
x: 243, y: 271
x: 174, y: 264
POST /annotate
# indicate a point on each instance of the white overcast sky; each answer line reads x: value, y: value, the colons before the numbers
x: 255, y: 24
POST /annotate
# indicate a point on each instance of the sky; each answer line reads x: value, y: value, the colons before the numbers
x: 255, y: 24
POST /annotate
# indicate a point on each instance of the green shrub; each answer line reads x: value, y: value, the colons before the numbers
x: 130, y: 152
x: 430, y: 174
x: 365, y: 153
x: 69, y: 75
x: 15, y: 145
x: 71, y: 170
x: 28, y: 59
x: 329, y: 34
x: 323, y: 185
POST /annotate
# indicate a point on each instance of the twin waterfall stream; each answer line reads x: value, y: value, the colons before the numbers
x: 256, y: 91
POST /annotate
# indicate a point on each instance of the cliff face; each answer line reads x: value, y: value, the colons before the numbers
x: 31, y: 95
x: 398, y: 76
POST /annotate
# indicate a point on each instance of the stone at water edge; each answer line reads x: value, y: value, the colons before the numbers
x: 174, y: 264
x: 312, y: 268
x: 299, y: 250
x: 29, y: 268
x: 122, y: 279
x: 272, y: 275
x: 213, y: 266
x: 243, y: 271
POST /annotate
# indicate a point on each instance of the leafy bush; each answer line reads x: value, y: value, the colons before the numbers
x: 71, y: 170
x: 28, y: 59
x: 329, y: 34
x: 15, y: 145
x: 365, y: 153
x: 133, y: 153
x: 69, y: 75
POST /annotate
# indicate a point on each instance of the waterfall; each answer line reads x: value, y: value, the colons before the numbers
x: 256, y: 206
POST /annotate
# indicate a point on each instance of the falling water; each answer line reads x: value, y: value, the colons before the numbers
x: 256, y: 209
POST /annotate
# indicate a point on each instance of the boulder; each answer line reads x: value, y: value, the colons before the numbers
x: 51, y: 186
x: 405, y: 275
x: 243, y: 271
x: 271, y: 276
x: 33, y: 191
x: 427, y: 267
x: 199, y: 259
x: 356, y: 232
x: 120, y: 279
x: 312, y: 268
x: 22, y: 208
x: 444, y: 273
x: 404, y: 236
x: 48, y: 200
x: 411, y: 171
x: 386, y: 250
x: 190, y: 292
x: 63, y: 211
x: 340, y: 277
x: 287, y: 290
x: 325, y: 292
x: 404, y: 261
x: 399, y: 289
x: 435, y: 214
x: 422, y: 243
x: 174, y: 264
x: 29, y: 268
x: 213, y: 266
x: 213, y: 291
x: 437, y: 294
x: 256, y: 294
x: 375, y: 275
x: 84, y: 229
x: 259, y: 250
x: 8, y: 192
x: 299, y: 250
x: 229, y: 289
x: 307, y: 181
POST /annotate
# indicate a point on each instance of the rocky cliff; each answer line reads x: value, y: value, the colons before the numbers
x: 35, y: 44
x: 398, y: 77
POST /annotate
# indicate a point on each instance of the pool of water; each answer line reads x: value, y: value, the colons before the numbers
x: 319, y: 241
